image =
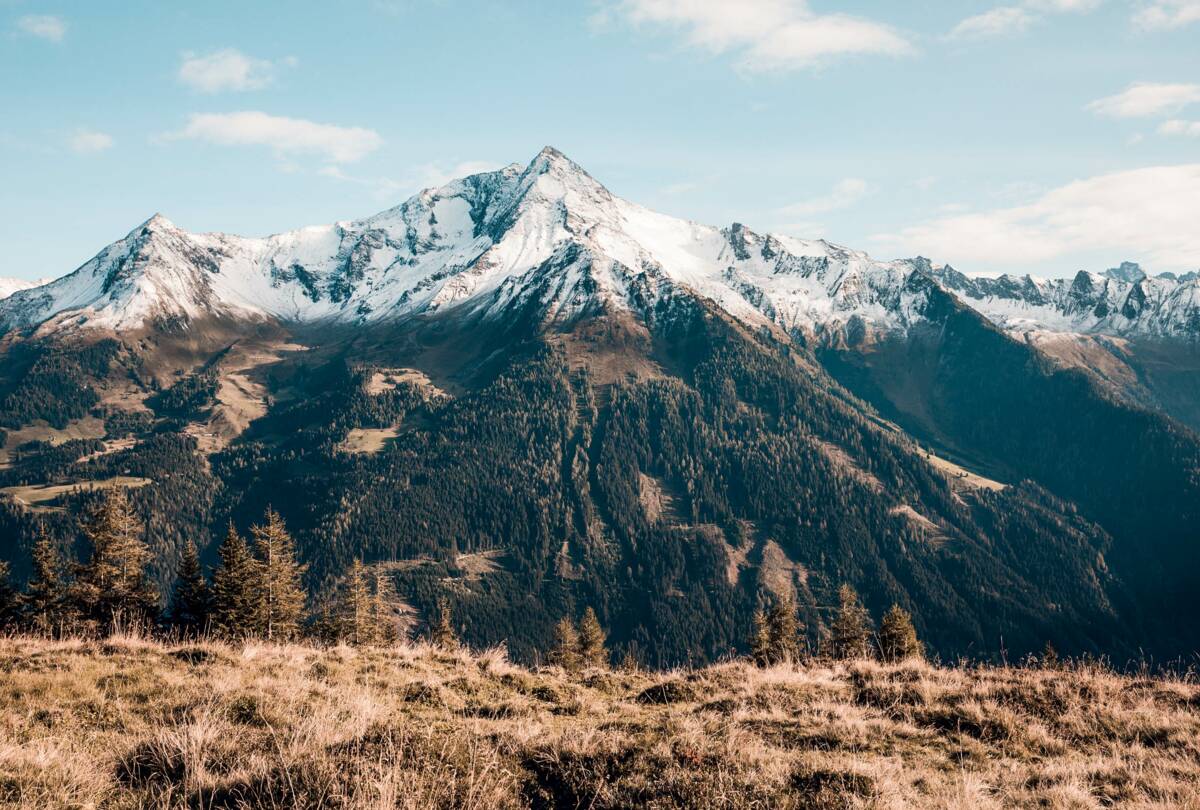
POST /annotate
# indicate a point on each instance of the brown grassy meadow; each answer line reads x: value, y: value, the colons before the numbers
x: 128, y: 723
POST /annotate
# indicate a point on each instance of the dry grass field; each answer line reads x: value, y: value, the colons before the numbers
x: 128, y: 723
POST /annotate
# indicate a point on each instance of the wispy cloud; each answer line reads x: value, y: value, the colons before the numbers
x: 287, y: 137
x: 1177, y: 127
x: 228, y: 69
x: 766, y: 35
x: 426, y: 175
x: 1005, y: 20
x: 1144, y: 99
x: 1165, y: 14
x: 1147, y: 213
x: 843, y: 195
x: 996, y: 22
x: 87, y: 142
x: 46, y: 26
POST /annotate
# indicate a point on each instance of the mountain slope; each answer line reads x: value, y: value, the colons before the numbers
x: 524, y: 394
x: 8, y: 286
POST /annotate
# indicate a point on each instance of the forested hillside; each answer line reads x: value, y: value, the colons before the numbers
x: 721, y: 470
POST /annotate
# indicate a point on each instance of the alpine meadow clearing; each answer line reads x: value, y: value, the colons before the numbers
x: 126, y: 722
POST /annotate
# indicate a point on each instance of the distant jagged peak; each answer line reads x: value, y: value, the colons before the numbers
x: 548, y: 235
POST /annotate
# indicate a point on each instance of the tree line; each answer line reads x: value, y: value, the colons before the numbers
x: 256, y: 591
x: 777, y: 636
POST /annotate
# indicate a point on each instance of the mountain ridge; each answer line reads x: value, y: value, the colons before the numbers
x: 549, y: 234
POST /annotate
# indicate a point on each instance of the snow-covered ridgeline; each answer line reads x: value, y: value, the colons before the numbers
x: 548, y: 235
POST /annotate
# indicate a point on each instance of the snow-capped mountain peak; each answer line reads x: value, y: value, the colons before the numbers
x: 548, y: 238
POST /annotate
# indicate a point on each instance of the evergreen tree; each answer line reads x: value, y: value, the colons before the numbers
x: 1050, y: 659
x: 9, y: 602
x: 45, y: 606
x: 441, y: 631
x: 281, y: 595
x: 852, y: 627
x: 383, y: 597
x: 235, y: 598
x: 566, y: 646
x: 591, y: 641
x: 760, y: 640
x: 897, y: 636
x: 192, y: 600
x: 111, y: 588
x: 784, y: 632
x: 355, y: 614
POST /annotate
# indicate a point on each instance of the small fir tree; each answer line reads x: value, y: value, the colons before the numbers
x: 111, y: 588
x: 192, y: 600
x: 441, y: 631
x: 784, y: 632
x: 897, y: 636
x: 383, y: 597
x: 760, y: 640
x: 566, y: 646
x: 9, y: 601
x: 236, y: 611
x: 591, y: 641
x: 851, y: 627
x: 45, y: 605
x: 356, y: 618
x: 281, y: 594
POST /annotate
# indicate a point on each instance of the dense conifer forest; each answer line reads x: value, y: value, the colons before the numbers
x: 674, y: 505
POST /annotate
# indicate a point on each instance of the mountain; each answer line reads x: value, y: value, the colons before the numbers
x: 550, y: 232
x: 8, y: 286
x: 524, y: 394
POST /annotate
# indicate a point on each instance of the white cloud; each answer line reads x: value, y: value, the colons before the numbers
x: 1163, y: 14
x: 1148, y: 213
x: 1064, y: 6
x: 431, y: 175
x: 844, y: 194
x: 1177, y: 127
x: 228, y: 69
x: 286, y: 136
x: 427, y: 175
x: 46, y: 26
x: 1144, y: 99
x: 86, y: 142
x: 996, y: 22
x: 767, y: 35
x: 1003, y: 20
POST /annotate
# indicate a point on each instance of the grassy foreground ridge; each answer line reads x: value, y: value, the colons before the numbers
x: 127, y: 723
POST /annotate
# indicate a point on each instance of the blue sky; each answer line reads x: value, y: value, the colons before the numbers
x: 1038, y: 136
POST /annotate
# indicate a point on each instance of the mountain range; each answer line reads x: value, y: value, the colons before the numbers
x: 550, y: 231
x: 524, y: 393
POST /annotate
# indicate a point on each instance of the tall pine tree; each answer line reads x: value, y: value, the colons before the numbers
x: 565, y: 652
x: 784, y: 631
x: 441, y: 629
x: 591, y: 641
x: 383, y: 598
x: 852, y: 627
x: 45, y: 607
x: 760, y: 640
x: 111, y: 588
x: 235, y: 600
x: 9, y: 604
x: 192, y: 600
x: 281, y: 595
x: 355, y: 615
